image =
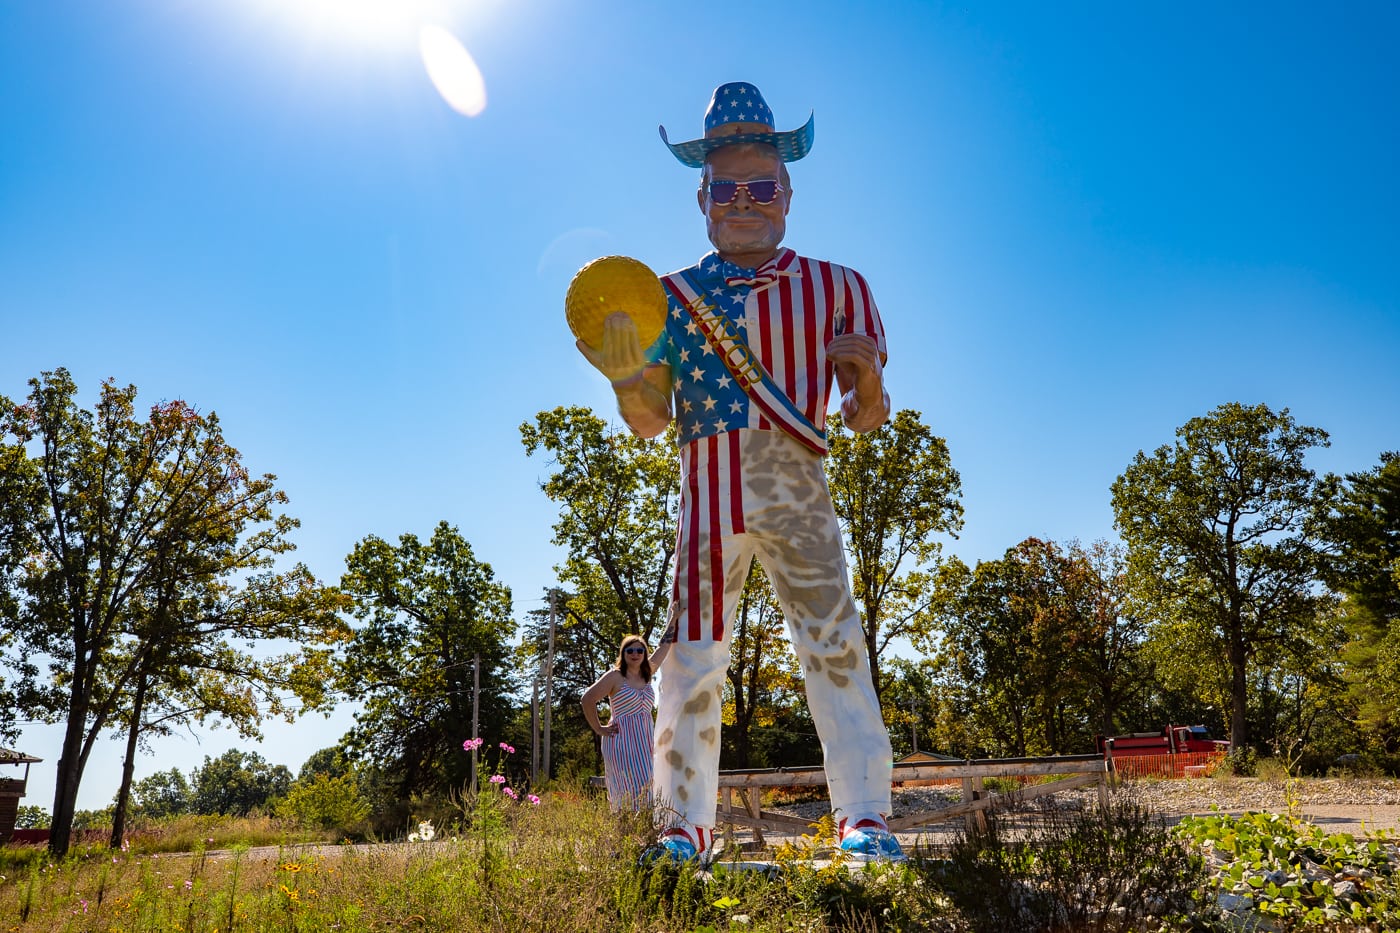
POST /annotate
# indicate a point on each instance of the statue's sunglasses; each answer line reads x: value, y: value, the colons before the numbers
x: 760, y: 190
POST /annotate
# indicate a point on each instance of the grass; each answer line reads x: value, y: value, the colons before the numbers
x: 568, y: 866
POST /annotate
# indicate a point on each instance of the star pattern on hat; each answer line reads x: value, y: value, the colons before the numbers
x: 738, y: 102
x: 741, y: 102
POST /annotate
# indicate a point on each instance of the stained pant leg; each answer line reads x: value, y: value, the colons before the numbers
x: 686, y: 763
x: 798, y: 539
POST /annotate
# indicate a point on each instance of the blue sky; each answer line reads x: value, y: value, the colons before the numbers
x: 1084, y: 225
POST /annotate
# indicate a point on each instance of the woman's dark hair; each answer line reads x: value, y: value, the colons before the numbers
x: 622, y: 656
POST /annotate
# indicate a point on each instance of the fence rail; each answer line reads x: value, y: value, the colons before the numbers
x: 744, y: 788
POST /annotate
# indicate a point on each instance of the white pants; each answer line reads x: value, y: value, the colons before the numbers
x: 759, y: 493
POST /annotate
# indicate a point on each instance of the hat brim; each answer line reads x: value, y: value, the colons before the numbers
x: 791, y: 146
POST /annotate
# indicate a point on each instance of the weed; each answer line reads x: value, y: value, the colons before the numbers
x: 1107, y: 869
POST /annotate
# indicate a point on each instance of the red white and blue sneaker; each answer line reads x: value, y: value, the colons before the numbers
x: 871, y: 839
x: 678, y: 845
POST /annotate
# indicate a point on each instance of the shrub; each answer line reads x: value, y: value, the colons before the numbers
x: 1109, y: 869
x: 326, y: 802
x: 1241, y: 762
x: 1270, y: 868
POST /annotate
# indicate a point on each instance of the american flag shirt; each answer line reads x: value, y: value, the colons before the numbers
x: 787, y: 310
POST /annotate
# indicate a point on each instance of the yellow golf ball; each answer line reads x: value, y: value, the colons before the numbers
x: 611, y: 284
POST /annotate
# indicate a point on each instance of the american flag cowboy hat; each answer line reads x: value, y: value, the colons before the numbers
x: 739, y: 114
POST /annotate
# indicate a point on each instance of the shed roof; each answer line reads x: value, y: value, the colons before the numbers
x: 9, y: 756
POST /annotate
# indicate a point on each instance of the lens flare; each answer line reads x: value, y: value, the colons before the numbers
x: 452, y: 71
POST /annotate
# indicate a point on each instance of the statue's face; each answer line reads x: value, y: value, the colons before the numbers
x: 744, y: 231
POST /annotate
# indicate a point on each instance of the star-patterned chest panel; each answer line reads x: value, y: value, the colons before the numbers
x: 786, y: 311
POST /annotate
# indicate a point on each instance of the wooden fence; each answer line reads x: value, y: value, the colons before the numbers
x: 740, y: 792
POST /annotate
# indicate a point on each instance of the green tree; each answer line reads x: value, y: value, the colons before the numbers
x: 1038, y: 651
x: 1362, y: 526
x: 762, y: 679
x: 332, y: 762
x: 187, y: 631
x: 431, y: 654
x: 618, y: 495
x: 912, y: 709
x: 1218, y: 535
x: 1106, y: 633
x: 326, y: 802
x: 32, y: 817
x: 1005, y: 648
x: 236, y: 783
x: 109, y: 501
x: 894, y: 489
x: 165, y: 793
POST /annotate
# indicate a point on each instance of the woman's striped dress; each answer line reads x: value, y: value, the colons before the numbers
x: 627, y: 755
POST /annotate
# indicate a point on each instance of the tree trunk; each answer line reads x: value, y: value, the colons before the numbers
x: 70, y: 773
x: 128, y: 766
x: 1239, y: 694
x: 872, y: 659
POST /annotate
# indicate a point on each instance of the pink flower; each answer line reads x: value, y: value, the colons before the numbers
x: 534, y: 801
x: 509, y: 749
x: 510, y: 793
x: 498, y: 779
x: 471, y: 745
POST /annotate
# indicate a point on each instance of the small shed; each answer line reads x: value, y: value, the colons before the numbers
x: 913, y: 760
x: 11, y: 789
x: 925, y: 758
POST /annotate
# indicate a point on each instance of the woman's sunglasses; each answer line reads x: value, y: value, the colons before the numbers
x: 760, y: 190
x: 634, y: 651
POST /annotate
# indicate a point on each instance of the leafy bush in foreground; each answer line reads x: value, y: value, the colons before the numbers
x: 1116, y: 869
x: 1270, y: 866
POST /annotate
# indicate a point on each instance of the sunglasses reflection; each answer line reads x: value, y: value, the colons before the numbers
x: 759, y: 190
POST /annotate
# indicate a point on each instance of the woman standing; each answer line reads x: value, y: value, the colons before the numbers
x: 627, y: 738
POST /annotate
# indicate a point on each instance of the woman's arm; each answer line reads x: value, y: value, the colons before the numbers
x: 594, y: 695
x: 663, y: 648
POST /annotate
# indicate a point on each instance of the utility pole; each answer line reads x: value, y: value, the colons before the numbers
x: 549, y: 681
x: 535, y: 728
x: 476, y: 704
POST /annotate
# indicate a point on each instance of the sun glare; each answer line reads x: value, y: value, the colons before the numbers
x: 364, y: 22
x: 452, y: 70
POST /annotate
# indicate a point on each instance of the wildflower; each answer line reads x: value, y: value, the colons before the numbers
x: 425, y: 832
x: 534, y: 801
x: 188, y: 884
x: 511, y: 793
x: 471, y: 745
x: 498, y: 779
x: 508, y: 749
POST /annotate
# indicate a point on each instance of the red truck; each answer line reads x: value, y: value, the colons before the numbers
x: 1172, y: 751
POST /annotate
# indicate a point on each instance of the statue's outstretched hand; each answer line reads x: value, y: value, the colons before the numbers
x: 621, y: 356
x: 858, y: 355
